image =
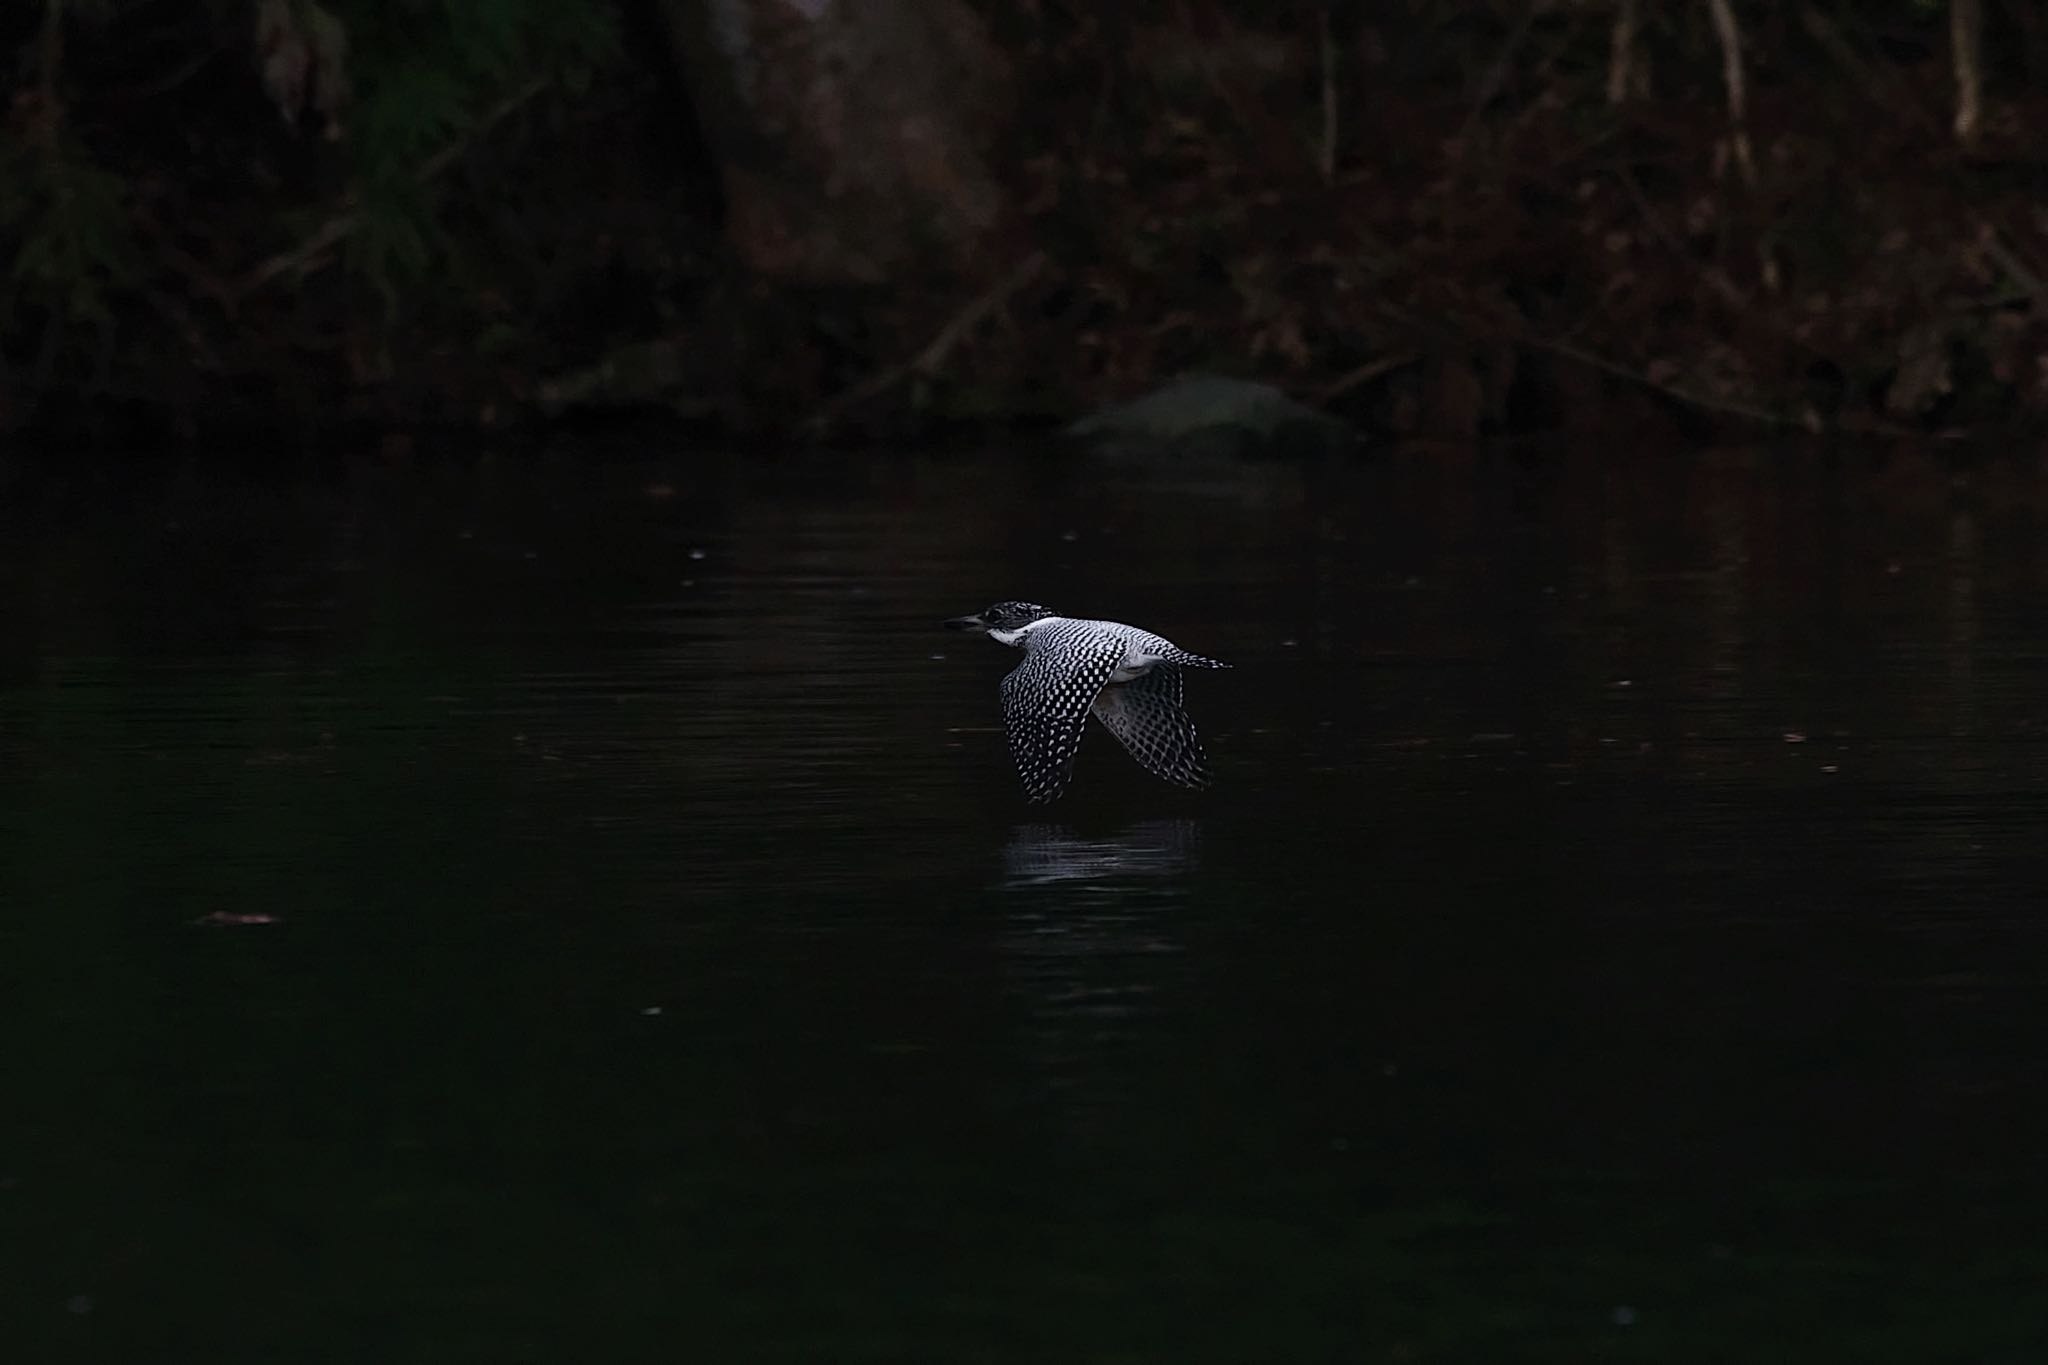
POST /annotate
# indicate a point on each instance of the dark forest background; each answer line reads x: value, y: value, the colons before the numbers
x: 773, y: 215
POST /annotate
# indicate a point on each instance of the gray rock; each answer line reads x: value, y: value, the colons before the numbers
x: 1209, y: 414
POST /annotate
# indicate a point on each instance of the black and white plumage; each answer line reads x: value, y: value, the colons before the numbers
x: 1130, y: 679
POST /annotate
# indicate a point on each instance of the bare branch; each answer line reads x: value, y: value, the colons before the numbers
x: 1327, y: 161
x: 1623, y: 74
x: 337, y: 229
x: 932, y: 358
x: 1881, y: 87
x: 1497, y: 75
x: 1966, y: 37
x: 1732, y: 76
x: 1363, y: 374
x: 1705, y: 402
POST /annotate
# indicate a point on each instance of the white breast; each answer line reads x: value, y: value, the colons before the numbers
x: 1011, y: 637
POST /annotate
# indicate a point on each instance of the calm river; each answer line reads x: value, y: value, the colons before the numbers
x: 577, y: 907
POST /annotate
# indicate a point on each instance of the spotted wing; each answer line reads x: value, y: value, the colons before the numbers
x: 1145, y: 713
x: 1046, y: 699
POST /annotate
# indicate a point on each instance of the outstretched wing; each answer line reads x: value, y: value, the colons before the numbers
x: 1046, y: 699
x: 1145, y: 713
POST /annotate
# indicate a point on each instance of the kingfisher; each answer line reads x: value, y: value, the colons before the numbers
x: 1129, y: 679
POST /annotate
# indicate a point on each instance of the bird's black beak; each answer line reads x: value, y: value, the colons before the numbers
x: 974, y: 623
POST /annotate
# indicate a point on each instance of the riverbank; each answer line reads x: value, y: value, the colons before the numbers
x: 1435, y: 230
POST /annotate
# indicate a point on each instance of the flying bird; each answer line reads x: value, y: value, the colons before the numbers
x: 1129, y: 679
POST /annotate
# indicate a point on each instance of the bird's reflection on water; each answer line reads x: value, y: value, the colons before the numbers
x: 1043, y: 854
x: 1090, y: 941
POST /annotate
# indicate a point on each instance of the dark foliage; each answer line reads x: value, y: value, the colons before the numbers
x: 1423, y: 216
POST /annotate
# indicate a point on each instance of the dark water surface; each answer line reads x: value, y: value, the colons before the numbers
x: 1617, y: 933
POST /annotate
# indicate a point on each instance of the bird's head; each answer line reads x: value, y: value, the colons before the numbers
x: 1005, y: 620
